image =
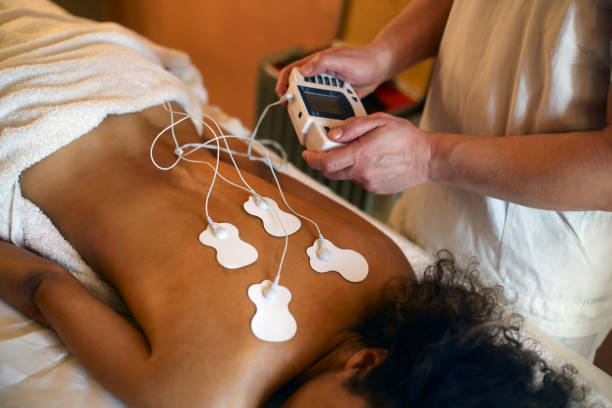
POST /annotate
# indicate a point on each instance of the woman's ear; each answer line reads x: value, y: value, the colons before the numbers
x: 366, y: 359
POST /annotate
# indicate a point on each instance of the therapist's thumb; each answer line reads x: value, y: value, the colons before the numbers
x: 354, y: 128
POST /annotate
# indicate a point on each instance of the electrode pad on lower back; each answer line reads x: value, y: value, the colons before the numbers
x: 325, y: 257
x: 267, y: 210
x: 272, y: 320
x: 232, y: 252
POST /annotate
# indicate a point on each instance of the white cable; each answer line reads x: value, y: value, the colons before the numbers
x: 229, y: 151
x: 181, y: 156
x: 212, y: 184
x: 268, y: 160
x: 220, y: 175
x: 172, y: 121
x: 155, y: 142
x: 261, y: 116
x: 251, y: 189
x: 195, y: 147
x: 265, y: 142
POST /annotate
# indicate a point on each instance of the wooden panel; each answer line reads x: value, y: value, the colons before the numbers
x: 227, y: 39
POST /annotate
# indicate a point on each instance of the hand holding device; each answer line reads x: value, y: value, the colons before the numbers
x: 391, y: 154
x: 319, y: 104
x: 363, y: 67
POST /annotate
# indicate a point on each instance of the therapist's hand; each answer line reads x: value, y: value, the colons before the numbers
x: 385, y: 154
x: 364, y: 67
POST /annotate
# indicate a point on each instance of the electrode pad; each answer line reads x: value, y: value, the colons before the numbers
x: 232, y: 252
x: 267, y: 210
x: 325, y: 257
x: 272, y: 320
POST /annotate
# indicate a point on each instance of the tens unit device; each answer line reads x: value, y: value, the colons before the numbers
x: 319, y: 103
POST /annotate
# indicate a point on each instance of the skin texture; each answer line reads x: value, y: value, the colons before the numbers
x: 138, y: 226
x: 387, y: 154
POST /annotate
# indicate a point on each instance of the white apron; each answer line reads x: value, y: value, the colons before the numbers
x: 519, y: 67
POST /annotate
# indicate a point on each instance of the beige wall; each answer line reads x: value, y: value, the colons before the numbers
x: 227, y: 39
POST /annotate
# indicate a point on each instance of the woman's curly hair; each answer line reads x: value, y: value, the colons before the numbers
x: 452, y: 344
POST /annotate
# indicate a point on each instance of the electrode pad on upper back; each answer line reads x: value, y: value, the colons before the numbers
x: 232, y: 252
x: 267, y: 210
x: 325, y: 256
x: 272, y: 320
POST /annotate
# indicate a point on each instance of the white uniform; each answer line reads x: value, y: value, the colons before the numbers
x: 519, y: 67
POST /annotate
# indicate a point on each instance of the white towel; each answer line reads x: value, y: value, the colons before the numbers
x: 60, y: 76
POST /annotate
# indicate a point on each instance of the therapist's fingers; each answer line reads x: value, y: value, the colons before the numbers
x: 355, y: 127
x: 331, y: 61
x: 332, y: 161
x: 356, y: 66
x: 310, y: 65
x: 283, y: 78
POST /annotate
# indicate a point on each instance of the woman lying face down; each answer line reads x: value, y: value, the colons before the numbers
x: 386, y: 341
x: 442, y: 342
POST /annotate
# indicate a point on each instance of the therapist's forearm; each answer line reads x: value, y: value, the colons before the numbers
x: 414, y: 35
x: 569, y: 171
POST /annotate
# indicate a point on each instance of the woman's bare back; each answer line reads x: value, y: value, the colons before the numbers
x: 138, y: 228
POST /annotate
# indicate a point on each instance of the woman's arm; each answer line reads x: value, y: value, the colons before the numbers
x: 111, y: 350
x: 20, y: 275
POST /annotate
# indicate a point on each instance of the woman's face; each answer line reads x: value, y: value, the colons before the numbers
x: 326, y: 391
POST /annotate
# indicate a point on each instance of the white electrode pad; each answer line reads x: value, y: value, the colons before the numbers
x: 232, y: 252
x: 325, y: 257
x: 267, y: 210
x: 272, y: 320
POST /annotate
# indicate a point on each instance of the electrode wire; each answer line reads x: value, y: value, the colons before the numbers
x: 259, y: 121
x: 250, y: 189
x: 182, y: 155
x: 268, y: 160
x: 160, y: 134
x: 251, y: 139
x: 212, y: 184
x: 282, y: 152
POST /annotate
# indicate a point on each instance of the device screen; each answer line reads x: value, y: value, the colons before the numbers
x: 325, y: 103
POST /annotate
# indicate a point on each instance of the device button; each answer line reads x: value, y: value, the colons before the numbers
x: 300, y: 115
x: 341, y: 83
x: 349, y: 90
x: 319, y: 79
x: 327, y: 129
x: 334, y: 82
x: 326, y: 80
x: 355, y: 99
